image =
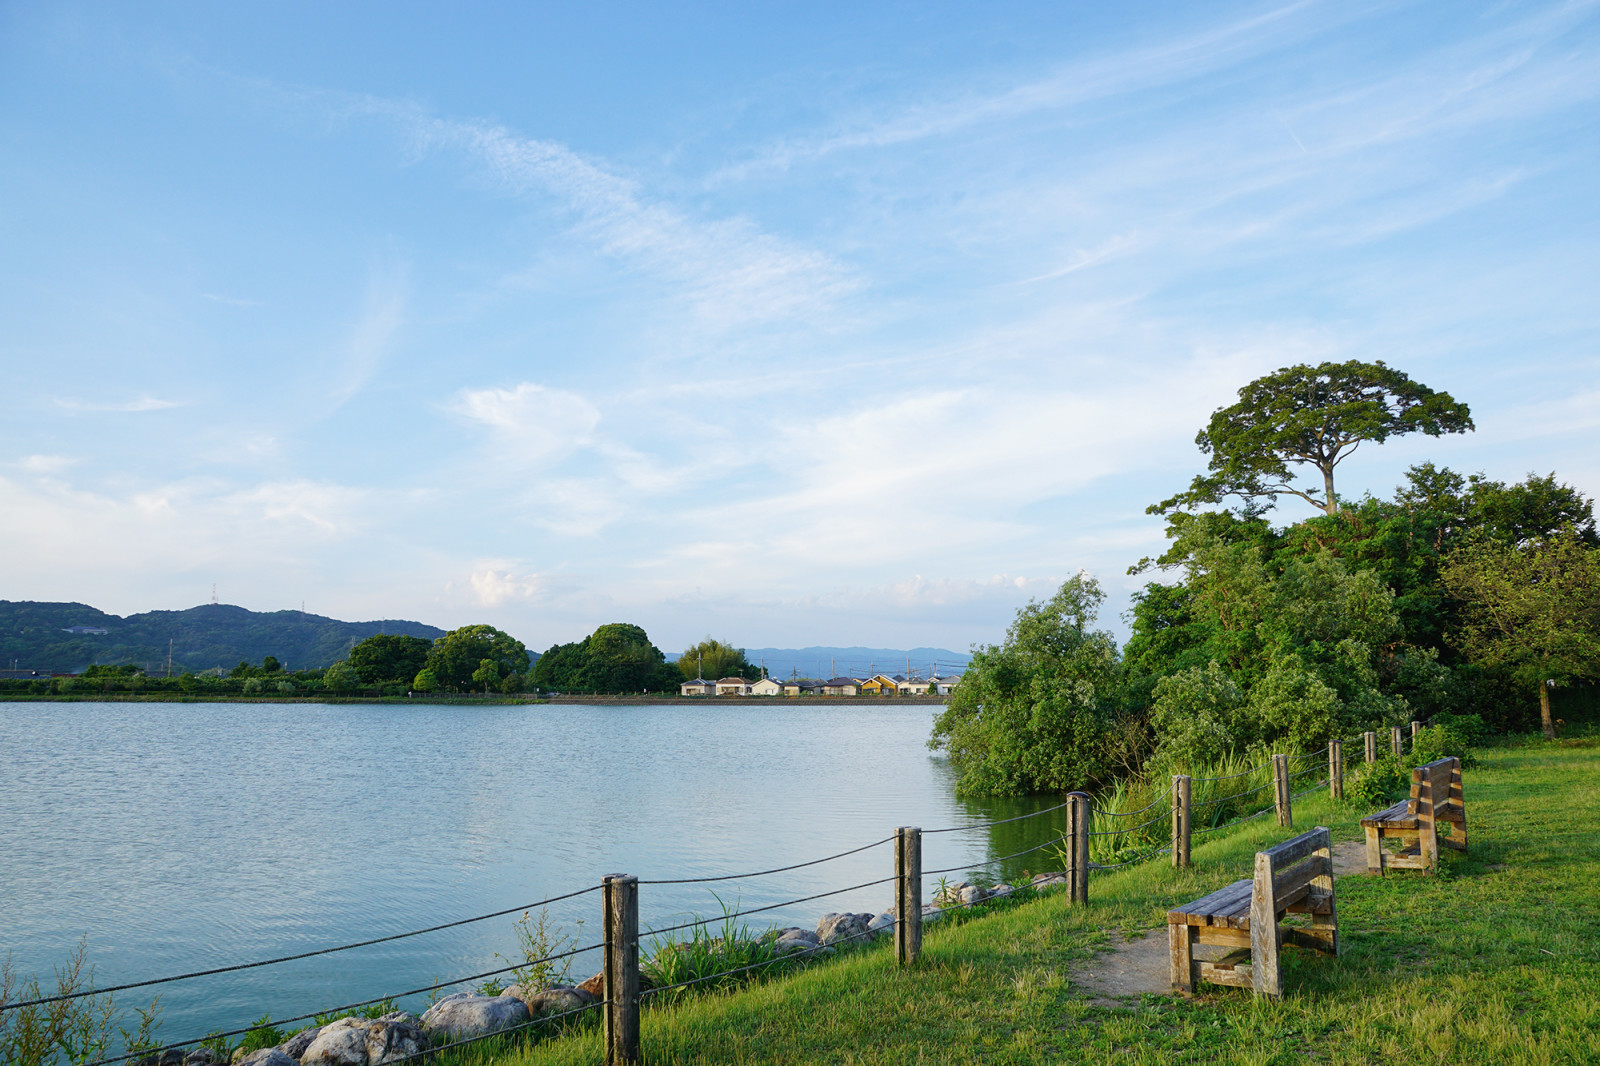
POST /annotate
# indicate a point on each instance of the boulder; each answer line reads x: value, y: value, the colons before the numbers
x: 267, y: 1056
x: 843, y: 928
x: 558, y: 999
x: 973, y: 894
x: 882, y: 925
x: 365, y: 1041
x: 340, y: 1043
x: 296, y: 1045
x: 795, y: 933
x: 202, y: 1056
x: 595, y: 986
x: 467, y: 1014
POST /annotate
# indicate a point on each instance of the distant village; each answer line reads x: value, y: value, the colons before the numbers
x: 876, y: 685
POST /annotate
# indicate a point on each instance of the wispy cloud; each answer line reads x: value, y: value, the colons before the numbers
x: 144, y: 402
x: 382, y: 313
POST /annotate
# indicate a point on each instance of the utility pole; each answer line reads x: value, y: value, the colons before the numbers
x: 169, y: 656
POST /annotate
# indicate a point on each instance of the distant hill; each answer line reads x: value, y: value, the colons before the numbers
x: 35, y: 636
x: 856, y: 662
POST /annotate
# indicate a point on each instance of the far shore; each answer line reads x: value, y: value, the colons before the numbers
x: 464, y: 699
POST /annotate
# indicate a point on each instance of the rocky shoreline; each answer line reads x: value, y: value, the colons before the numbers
x: 360, y: 1041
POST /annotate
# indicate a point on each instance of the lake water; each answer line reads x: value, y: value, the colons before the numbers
x: 176, y: 837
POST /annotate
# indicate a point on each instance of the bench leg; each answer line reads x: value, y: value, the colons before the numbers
x: 1374, y: 851
x: 1180, y: 941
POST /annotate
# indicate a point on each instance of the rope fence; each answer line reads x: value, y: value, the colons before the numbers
x: 621, y: 966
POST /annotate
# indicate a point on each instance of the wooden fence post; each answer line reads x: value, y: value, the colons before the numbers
x: 1280, y: 782
x: 908, y: 894
x: 1397, y: 741
x: 1181, y: 792
x: 1078, y: 846
x: 1416, y: 727
x: 1336, y: 769
x: 1371, y: 741
x: 621, y: 895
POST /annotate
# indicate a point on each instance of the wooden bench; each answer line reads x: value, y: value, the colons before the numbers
x: 1414, y: 822
x: 1233, y: 936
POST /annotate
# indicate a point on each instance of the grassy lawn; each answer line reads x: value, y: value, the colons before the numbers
x: 1495, y: 959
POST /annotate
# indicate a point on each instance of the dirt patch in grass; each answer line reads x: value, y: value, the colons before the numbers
x: 1132, y: 967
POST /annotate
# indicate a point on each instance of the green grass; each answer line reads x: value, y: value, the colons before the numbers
x: 1495, y: 959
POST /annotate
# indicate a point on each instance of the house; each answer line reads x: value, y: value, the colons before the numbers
x: 914, y: 686
x: 941, y: 686
x: 879, y: 685
x: 767, y: 687
x: 841, y: 686
x: 733, y: 686
x: 804, y: 686
x: 81, y: 631
x: 698, y: 687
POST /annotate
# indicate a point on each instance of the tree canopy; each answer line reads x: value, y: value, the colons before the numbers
x: 712, y: 659
x: 459, y: 654
x: 1533, y: 608
x: 1312, y: 416
x: 1031, y: 715
x: 614, y: 658
x: 388, y: 658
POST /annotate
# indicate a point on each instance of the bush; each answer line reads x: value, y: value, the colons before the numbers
x: 1378, y: 784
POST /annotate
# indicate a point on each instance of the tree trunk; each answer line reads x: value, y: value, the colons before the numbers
x: 1544, y: 712
x: 1330, y: 503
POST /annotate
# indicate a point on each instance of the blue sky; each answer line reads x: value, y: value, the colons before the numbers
x: 801, y: 324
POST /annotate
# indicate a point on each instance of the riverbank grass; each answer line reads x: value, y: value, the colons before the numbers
x: 1495, y: 959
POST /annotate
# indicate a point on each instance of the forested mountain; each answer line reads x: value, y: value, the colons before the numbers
x: 34, y: 636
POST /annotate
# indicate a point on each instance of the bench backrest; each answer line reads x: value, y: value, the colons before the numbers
x: 1300, y: 870
x: 1432, y: 786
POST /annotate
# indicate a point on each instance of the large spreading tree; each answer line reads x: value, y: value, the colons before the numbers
x: 1310, y: 416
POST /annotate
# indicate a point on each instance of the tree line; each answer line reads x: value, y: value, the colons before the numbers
x: 1459, y: 599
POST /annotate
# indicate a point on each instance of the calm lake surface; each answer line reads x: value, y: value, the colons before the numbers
x: 177, y: 837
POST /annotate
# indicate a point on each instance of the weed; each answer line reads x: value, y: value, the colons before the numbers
x: 538, y: 939
x: 263, y: 1034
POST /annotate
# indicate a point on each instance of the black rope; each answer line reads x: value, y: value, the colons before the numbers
x: 775, y: 870
x: 772, y: 907
x: 1229, y: 777
x: 786, y: 956
x: 991, y: 862
x: 1314, y: 788
x: 350, y: 1006
x: 1130, y: 862
x: 541, y: 1020
x: 986, y: 825
x: 1129, y: 814
x: 1236, y: 795
x: 1237, y: 821
x: 292, y: 958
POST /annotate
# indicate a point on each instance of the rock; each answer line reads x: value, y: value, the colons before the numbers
x: 558, y: 1000
x: 595, y: 986
x: 172, y: 1056
x: 340, y: 1043
x: 842, y: 928
x: 202, y: 1056
x: 296, y: 1045
x: 396, y: 1035
x: 1001, y: 891
x: 467, y: 1014
x: 882, y: 925
x: 267, y: 1056
x: 796, y: 934
x: 794, y: 945
x: 973, y: 894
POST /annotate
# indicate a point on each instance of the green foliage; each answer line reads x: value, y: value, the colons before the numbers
x: 1379, y: 783
x: 713, y: 659
x: 1031, y: 715
x: 66, y: 1032
x: 262, y: 1034
x: 1310, y: 416
x: 339, y: 678
x: 710, y: 951
x: 425, y: 681
x: 615, y: 658
x: 389, y: 658
x: 1199, y: 715
x: 537, y: 939
x: 458, y: 655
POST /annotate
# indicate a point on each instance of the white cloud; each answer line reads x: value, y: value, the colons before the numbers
x: 495, y: 583
x: 534, y: 423
x: 47, y: 464
x: 382, y: 313
x: 144, y: 402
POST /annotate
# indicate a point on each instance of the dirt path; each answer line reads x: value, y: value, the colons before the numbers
x: 1131, y: 968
